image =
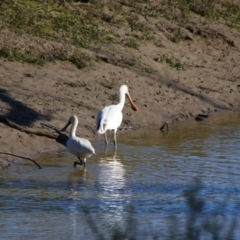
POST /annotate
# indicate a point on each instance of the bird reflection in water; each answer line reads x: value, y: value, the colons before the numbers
x: 103, y: 190
x: 113, y: 194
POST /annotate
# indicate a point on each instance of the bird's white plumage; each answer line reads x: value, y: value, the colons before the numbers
x: 80, y: 147
x: 110, y: 117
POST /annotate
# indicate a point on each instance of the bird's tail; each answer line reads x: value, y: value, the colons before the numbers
x: 101, y: 127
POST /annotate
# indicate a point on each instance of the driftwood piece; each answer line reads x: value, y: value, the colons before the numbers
x: 25, y: 158
x: 60, y: 137
x: 56, y: 134
x: 201, y: 117
x: 165, y: 124
x: 53, y: 135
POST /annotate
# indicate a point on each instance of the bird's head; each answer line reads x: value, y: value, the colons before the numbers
x: 72, y: 119
x: 124, y: 89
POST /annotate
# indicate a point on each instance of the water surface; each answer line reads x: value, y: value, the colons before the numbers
x: 155, y: 185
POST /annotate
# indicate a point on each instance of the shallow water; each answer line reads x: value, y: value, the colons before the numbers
x: 155, y: 185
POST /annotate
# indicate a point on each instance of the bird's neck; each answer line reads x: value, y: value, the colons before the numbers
x: 121, y: 100
x: 73, y: 129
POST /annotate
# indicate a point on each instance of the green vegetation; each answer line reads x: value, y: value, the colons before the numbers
x: 49, y: 19
x: 180, y: 11
x: 80, y: 60
x: 172, y: 62
x: 15, y: 54
x: 132, y: 43
x: 177, y: 37
x: 147, y: 70
x: 95, y: 22
x: 229, y: 10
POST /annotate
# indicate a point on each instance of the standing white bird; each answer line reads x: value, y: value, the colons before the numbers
x: 79, y: 147
x: 110, y: 117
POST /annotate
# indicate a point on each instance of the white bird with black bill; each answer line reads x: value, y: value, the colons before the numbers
x: 80, y: 147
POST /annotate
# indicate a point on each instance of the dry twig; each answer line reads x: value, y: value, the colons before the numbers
x: 29, y: 159
x: 163, y: 127
x: 53, y: 135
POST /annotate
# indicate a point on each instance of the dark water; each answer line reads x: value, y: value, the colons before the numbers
x: 154, y: 186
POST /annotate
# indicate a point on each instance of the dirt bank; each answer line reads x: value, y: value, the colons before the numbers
x: 167, y: 81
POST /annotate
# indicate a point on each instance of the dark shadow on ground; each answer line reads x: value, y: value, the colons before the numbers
x: 62, y: 137
x: 19, y: 113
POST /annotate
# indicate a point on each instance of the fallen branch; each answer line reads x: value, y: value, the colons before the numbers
x: 201, y: 117
x: 29, y: 159
x: 53, y: 135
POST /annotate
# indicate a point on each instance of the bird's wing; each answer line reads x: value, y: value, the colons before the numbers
x: 102, y: 115
x: 113, y: 118
x: 77, y: 145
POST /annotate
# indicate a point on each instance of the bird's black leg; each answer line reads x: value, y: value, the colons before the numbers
x: 80, y: 162
x: 76, y: 163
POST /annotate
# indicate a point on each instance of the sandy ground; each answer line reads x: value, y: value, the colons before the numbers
x: 31, y: 96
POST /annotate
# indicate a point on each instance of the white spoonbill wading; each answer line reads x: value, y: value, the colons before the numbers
x: 79, y: 147
x: 110, y: 117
